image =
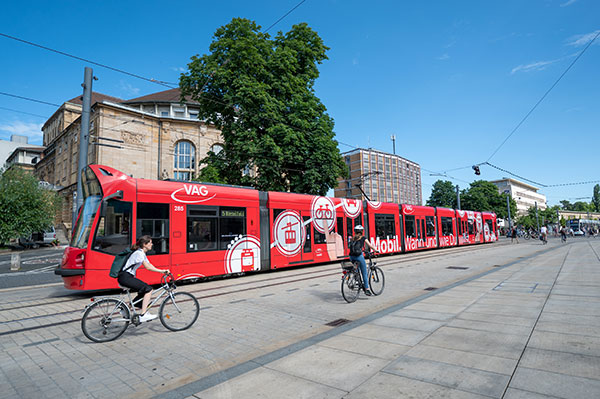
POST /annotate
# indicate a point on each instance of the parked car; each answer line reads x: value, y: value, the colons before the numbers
x: 45, y: 237
x: 578, y: 233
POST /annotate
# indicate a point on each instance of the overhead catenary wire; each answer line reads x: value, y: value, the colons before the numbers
x: 544, y: 96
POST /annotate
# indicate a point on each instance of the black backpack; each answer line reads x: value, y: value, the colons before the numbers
x: 356, y: 247
x: 120, y: 260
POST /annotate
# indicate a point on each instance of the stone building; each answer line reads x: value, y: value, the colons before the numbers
x: 151, y: 137
x: 383, y: 177
x: 525, y: 195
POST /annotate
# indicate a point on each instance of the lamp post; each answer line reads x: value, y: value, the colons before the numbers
x: 457, y: 197
x: 537, y: 221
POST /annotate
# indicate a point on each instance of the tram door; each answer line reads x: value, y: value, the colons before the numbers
x: 421, y: 232
x: 307, y: 254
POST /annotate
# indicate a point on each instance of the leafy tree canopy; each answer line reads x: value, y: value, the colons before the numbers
x: 484, y: 196
x: 596, y: 198
x: 442, y: 194
x: 26, y: 207
x: 259, y: 91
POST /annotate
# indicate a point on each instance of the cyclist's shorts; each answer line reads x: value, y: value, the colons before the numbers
x: 127, y: 280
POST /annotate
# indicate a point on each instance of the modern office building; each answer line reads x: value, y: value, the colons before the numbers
x: 525, y: 195
x: 383, y: 177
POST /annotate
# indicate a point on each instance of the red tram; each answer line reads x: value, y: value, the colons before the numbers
x: 202, y: 230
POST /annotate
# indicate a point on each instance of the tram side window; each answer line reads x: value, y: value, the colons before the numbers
x: 307, y: 243
x: 446, y: 226
x: 201, y: 228
x: 153, y: 220
x: 232, y: 223
x: 384, y: 225
x: 471, y: 227
x: 430, y: 226
x: 320, y: 238
x: 490, y: 225
x: 113, y: 233
x: 409, y: 225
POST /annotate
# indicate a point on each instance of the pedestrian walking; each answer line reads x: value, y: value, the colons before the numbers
x: 513, y: 235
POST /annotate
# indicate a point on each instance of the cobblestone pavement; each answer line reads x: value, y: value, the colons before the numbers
x: 511, y: 321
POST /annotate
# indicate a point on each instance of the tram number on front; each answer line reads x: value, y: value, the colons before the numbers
x: 178, y: 208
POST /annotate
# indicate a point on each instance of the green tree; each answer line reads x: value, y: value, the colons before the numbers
x: 566, y: 205
x: 596, y: 198
x: 26, y: 207
x: 442, y: 194
x: 581, y: 206
x: 260, y: 92
x: 483, y: 196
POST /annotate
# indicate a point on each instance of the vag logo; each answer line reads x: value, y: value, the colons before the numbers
x: 192, y: 191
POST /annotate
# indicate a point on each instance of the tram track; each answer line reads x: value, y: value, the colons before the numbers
x: 330, y: 271
x: 335, y: 266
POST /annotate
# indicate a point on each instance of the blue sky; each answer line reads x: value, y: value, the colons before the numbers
x: 451, y: 79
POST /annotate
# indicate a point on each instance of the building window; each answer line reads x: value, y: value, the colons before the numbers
x: 185, y: 160
x: 193, y: 113
x: 179, y: 112
x: 164, y: 111
x: 216, y: 148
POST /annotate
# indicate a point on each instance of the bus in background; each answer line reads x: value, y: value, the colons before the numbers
x: 581, y: 227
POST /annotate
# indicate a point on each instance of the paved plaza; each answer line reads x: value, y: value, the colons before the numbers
x: 492, y: 321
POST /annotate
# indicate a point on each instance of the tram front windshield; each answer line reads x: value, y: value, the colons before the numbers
x: 92, y: 194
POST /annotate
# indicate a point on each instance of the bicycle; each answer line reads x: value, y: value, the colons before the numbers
x: 106, y: 319
x: 352, y: 281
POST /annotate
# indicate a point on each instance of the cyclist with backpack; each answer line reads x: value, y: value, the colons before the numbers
x: 356, y: 254
x: 127, y: 277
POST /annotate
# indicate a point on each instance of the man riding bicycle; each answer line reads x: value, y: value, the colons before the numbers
x: 356, y: 254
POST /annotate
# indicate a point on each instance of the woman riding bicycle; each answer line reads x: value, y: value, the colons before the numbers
x: 127, y: 274
x: 359, y: 240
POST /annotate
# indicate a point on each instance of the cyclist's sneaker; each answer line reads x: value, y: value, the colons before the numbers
x: 368, y: 292
x: 147, y: 317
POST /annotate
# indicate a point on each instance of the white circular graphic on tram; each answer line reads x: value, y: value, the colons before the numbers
x: 289, y: 233
x: 375, y: 204
x: 408, y: 209
x: 352, y: 207
x: 486, y: 232
x: 323, y: 214
x: 243, y: 255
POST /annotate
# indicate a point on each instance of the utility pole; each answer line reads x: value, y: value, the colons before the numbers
x: 457, y: 198
x: 393, y: 137
x: 508, y: 208
x: 84, y: 133
x: 536, y: 217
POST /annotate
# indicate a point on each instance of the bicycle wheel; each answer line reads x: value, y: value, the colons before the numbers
x: 376, y: 280
x: 350, y: 287
x: 105, y: 320
x: 179, y: 311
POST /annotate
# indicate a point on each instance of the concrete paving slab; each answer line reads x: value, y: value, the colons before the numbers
x: 555, y: 384
x: 434, y: 307
x: 450, y: 375
x: 419, y: 314
x: 365, y: 346
x: 398, y: 336
x: 389, y: 386
x: 562, y: 362
x: 491, y: 327
x: 592, y: 321
x: 503, y: 345
x: 331, y: 367
x: 268, y: 383
x: 499, y: 319
x: 581, y: 344
x: 567, y: 328
x: 493, y: 364
x: 512, y: 393
x: 408, y: 323
x: 506, y: 310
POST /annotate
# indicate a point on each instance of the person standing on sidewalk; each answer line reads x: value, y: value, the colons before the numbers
x: 513, y: 235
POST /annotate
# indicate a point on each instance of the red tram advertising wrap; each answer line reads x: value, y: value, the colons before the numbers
x: 202, y: 230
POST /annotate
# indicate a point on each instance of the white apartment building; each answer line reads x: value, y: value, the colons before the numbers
x: 525, y: 195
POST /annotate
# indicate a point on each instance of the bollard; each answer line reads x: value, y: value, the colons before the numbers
x: 15, y: 261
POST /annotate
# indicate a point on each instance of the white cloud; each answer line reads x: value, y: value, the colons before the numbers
x: 443, y: 57
x: 128, y: 88
x: 31, y: 130
x: 568, y: 3
x: 178, y: 69
x: 534, y: 66
x: 582, y: 40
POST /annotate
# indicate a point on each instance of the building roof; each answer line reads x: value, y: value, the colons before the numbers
x: 515, y: 182
x: 379, y: 152
x: 96, y: 97
x: 167, y: 96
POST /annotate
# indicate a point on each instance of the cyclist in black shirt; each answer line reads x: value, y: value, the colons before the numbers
x: 362, y: 240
